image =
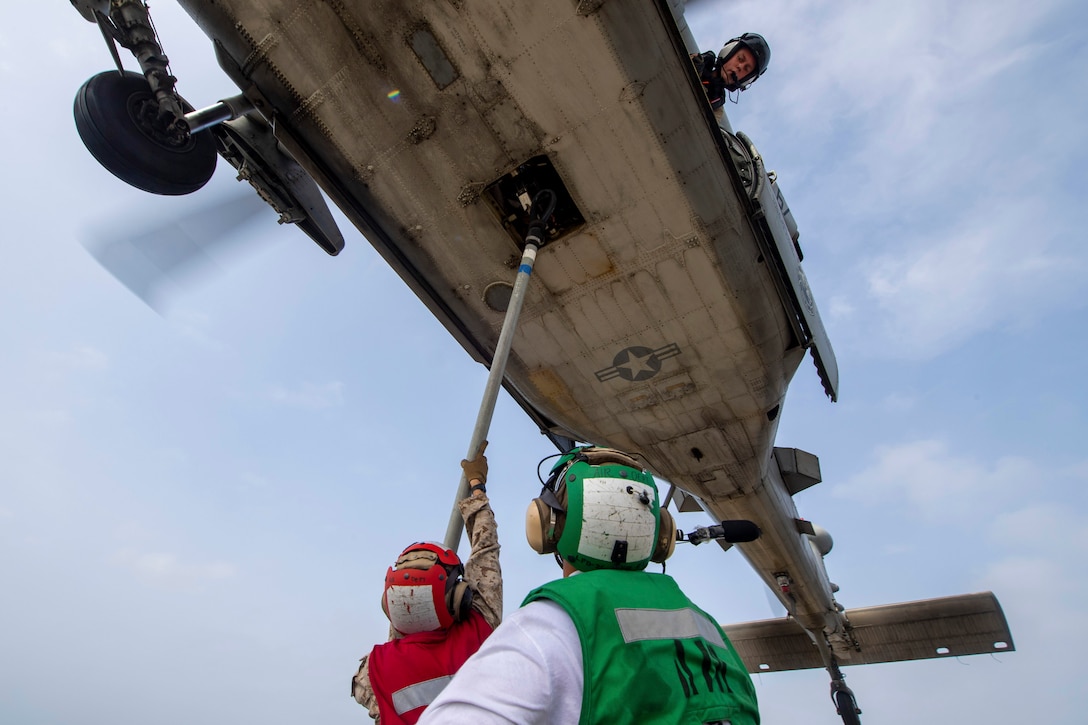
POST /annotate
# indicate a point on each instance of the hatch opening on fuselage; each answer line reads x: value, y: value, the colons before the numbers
x: 510, y: 195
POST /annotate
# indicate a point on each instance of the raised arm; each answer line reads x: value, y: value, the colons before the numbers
x: 482, y: 571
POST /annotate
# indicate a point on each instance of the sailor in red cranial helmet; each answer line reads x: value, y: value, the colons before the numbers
x: 440, y: 611
x: 608, y: 642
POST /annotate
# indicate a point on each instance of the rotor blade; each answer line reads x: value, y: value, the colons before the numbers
x: 151, y: 257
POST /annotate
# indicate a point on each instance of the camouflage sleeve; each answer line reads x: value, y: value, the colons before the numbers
x: 363, y: 692
x: 482, y: 570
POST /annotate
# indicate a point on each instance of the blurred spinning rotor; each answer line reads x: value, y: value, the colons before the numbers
x: 151, y: 257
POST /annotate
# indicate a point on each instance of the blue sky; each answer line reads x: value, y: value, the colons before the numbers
x: 197, y: 508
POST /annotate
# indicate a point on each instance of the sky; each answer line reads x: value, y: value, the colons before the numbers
x: 198, y: 505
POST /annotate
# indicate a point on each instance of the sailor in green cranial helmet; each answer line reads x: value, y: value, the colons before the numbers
x: 608, y: 642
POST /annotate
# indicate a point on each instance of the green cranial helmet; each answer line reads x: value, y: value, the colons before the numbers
x: 612, y: 510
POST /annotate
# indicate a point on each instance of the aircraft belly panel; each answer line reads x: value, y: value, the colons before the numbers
x: 656, y: 325
x: 651, y: 322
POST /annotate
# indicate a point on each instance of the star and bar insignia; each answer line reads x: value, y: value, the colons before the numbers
x: 637, y: 363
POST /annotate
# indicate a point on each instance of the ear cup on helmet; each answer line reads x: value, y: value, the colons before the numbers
x: 666, y: 537
x: 543, y: 525
x: 459, y: 600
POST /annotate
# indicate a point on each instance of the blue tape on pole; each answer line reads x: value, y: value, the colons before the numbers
x: 526, y: 268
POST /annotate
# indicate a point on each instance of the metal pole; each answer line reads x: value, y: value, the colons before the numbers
x: 494, y: 380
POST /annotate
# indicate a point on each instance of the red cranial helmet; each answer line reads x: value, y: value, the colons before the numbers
x: 424, y: 590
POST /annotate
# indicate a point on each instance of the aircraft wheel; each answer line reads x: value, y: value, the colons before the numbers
x: 109, y: 109
x: 847, y: 708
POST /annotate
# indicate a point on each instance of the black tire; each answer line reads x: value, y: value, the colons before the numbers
x: 847, y: 708
x: 106, y: 117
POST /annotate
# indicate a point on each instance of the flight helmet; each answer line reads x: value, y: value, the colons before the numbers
x: 600, y: 510
x: 755, y: 43
x: 425, y: 589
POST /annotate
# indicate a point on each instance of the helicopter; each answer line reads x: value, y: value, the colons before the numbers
x: 670, y: 309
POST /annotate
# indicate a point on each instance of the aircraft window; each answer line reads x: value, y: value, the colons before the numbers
x: 433, y: 58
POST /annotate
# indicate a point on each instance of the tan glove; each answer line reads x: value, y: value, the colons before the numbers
x: 476, y: 469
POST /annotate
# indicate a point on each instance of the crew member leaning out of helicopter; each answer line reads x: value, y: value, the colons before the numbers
x: 440, y: 612
x: 609, y: 642
x: 741, y: 61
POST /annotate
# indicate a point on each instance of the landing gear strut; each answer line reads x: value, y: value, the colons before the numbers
x: 134, y: 124
x: 843, y: 697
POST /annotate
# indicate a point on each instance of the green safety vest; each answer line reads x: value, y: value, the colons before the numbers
x: 648, y: 654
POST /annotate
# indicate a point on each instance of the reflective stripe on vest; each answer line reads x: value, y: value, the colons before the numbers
x: 644, y: 624
x: 419, y: 694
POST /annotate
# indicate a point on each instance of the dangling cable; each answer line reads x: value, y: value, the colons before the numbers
x: 540, y: 212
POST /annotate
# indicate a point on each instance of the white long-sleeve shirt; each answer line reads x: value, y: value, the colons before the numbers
x: 529, y: 672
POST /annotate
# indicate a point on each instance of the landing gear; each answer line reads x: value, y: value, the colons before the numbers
x: 843, y: 697
x: 846, y: 706
x: 118, y: 118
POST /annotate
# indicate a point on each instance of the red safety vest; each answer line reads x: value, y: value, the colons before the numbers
x: 408, y: 673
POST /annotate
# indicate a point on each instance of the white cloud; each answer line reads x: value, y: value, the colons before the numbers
x: 1044, y: 604
x: 937, y: 484
x: 1043, y: 527
x: 81, y: 357
x: 251, y: 480
x: 841, y: 307
x: 899, y: 402
x: 169, y: 570
x: 312, y: 396
x: 931, y: 295
x: 194, y: 325
x: 51, y: 417
x: 1077, y: 470
x: 925, y: 126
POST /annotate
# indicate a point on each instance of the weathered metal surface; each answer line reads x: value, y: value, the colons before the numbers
x: 663, y: 324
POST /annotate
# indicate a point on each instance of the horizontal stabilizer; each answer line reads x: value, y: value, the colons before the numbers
x: 968, y: 624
